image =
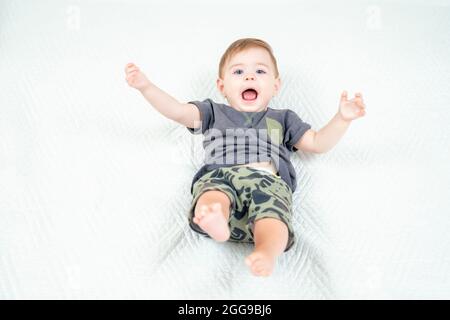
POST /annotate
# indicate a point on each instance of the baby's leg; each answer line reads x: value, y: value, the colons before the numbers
x: 211, y: 214
x: 271, y: 238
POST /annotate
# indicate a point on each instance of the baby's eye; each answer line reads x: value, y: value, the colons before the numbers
x: 260, y: 71
x: 238, y: 71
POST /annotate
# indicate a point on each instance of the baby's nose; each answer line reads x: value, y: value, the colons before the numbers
x: 249, y: 77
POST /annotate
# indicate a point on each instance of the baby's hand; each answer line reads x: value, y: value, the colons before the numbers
x: 353, y: 108
x: 135, y: 77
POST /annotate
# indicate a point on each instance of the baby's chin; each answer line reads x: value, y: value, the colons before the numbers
x: 249, y: 106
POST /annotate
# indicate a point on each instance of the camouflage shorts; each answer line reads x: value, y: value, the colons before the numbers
x: 254, y: 194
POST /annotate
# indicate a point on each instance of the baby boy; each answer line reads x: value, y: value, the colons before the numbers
x: 244, y: 190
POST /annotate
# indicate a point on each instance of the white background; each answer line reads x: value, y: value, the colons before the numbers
x: 95, y: 183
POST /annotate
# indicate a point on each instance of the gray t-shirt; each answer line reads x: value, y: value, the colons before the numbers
x: 233, y: 137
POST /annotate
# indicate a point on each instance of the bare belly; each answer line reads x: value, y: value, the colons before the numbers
x: 265, y: 165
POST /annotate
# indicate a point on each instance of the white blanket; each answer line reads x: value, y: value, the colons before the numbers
x: 95, y: 183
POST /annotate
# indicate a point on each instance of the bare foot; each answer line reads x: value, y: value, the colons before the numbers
x: 260, y: 263
x: 213, y: 222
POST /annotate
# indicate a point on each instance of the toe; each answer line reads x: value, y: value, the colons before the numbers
x: 258, y: 271
x: 250, y: 260
x: 259, y: 265
x: 261, y: 271
x: 201, y: 212
x: 216, y: 206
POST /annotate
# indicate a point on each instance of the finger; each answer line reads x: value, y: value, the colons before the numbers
x: 132, y: 68
x: 358, y: 94
x: 132, y: 71
x: 359, y: 101
x: 131, y: 77
x: 128, y: 65
x: 344, y: 95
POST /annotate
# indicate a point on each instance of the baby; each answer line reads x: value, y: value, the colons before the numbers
x: 244, y: 190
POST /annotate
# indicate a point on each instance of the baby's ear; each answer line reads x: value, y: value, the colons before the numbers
x: 220, y: 85
x: 277, y: 85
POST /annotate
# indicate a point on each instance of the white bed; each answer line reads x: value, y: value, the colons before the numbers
x: 95, y: 184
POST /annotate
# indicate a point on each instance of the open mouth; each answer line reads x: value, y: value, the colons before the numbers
x: 250, y: 94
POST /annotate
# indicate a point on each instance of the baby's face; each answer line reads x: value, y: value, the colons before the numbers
x: 249, y: 80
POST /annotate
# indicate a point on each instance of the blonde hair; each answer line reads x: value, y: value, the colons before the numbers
x: 243, y: 44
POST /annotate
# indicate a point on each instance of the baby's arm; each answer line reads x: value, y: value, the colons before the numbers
x: 327, y: 137
x: 186, y: 114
